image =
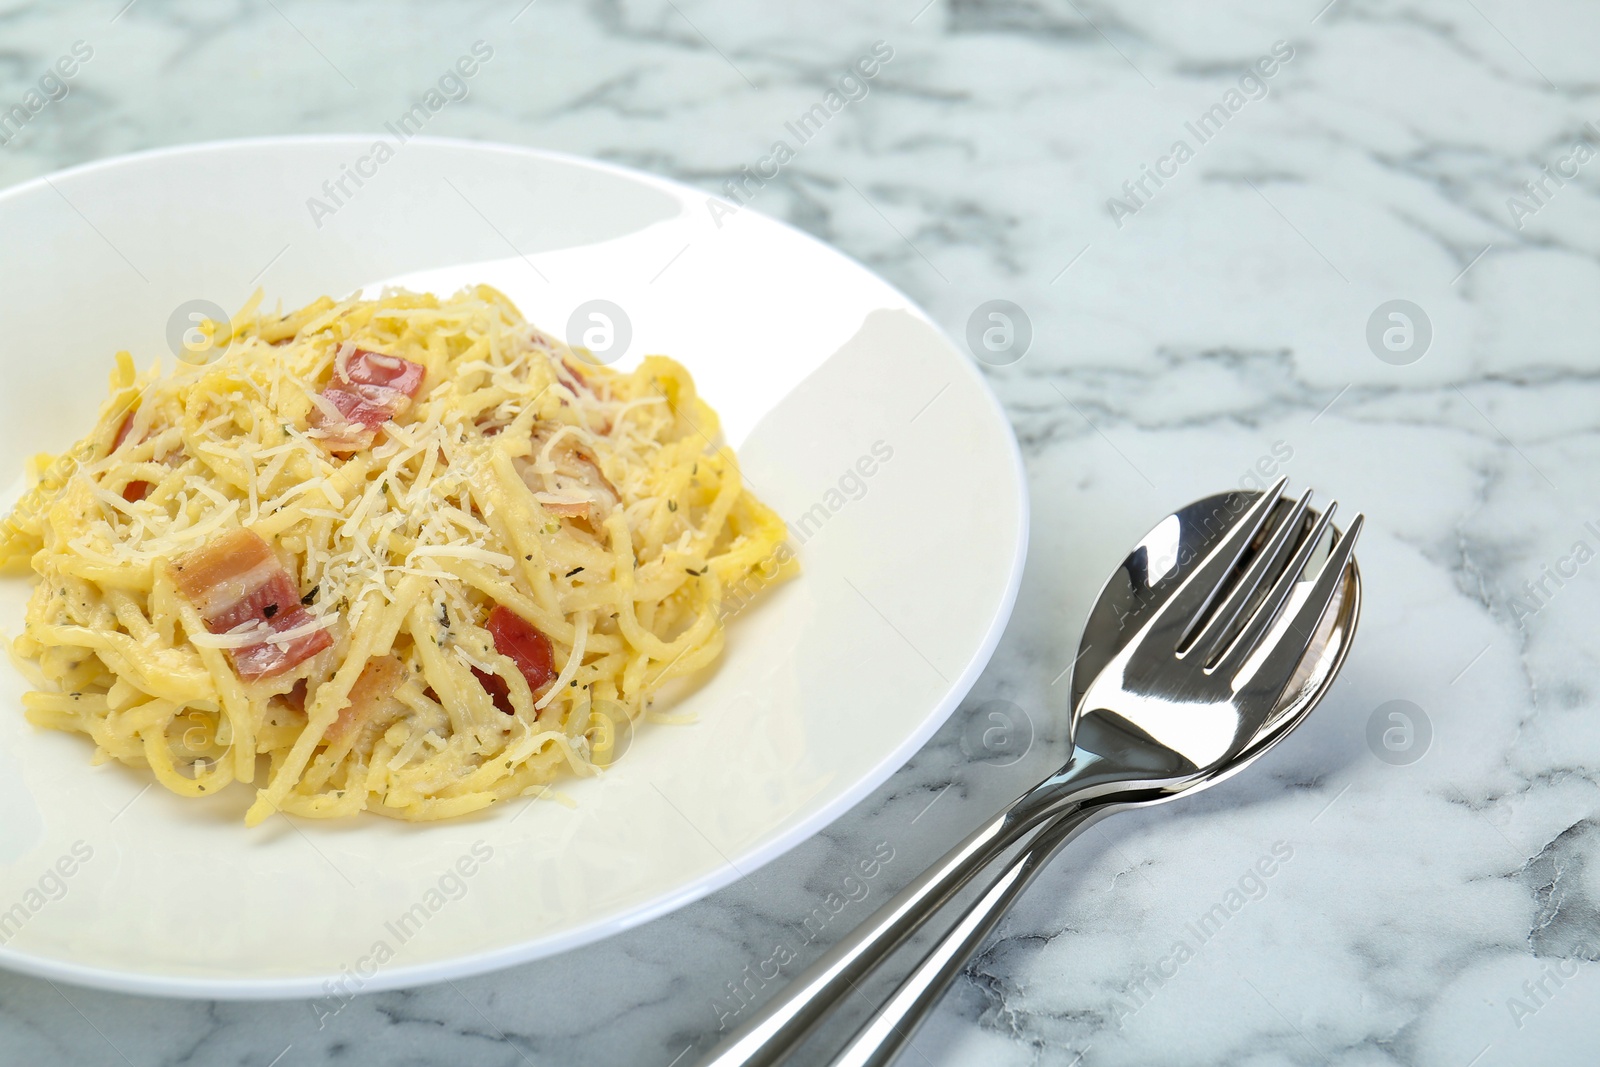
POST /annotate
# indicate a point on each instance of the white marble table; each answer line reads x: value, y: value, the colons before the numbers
x: 1434, y: 903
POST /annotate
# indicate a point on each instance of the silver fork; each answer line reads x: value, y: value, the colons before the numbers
x: 1192, y: 696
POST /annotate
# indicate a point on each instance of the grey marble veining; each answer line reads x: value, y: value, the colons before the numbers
x: 1441, y: 907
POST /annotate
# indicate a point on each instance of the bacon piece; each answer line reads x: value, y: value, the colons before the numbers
x: 135, y: 490
x: 379, y: 679
x: 577, y: 487
x: 577, y: 381
x: 520, y: 641
x: 124, y: 430
x: 236, y: 581
x: 368, y: 389
x: 138, y: 489
x: 497, y: 689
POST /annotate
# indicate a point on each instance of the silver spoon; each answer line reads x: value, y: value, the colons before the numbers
x: 1213, y: 639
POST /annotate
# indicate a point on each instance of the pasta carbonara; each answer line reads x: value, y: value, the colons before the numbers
x: 409, y: 554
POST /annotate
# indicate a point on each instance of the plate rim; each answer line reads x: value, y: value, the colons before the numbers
x: 486, y: 961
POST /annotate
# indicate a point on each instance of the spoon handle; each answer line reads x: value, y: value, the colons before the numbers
x: 781, y: 1024
x: 889, y: 1030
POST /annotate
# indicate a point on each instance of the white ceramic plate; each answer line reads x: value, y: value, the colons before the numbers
x: 821, y: 371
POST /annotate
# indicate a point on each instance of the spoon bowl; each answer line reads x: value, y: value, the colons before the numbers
x: 1133, y: 592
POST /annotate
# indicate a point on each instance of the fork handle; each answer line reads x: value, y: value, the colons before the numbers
x: 882, y: 1037
x: 780, y: 1025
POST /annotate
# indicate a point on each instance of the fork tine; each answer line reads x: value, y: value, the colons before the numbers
x: 1278, y: 666
x: 1266, y: 562
x: 1260, y: 622
x: 1191, y: 597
